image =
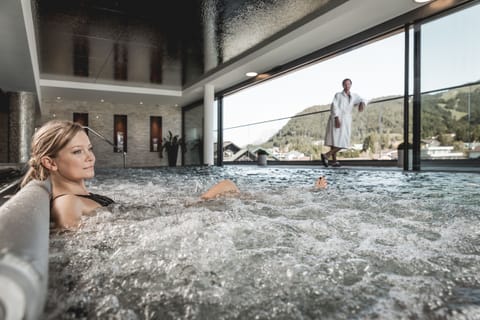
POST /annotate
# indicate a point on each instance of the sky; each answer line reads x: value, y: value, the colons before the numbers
x: 449, y: 57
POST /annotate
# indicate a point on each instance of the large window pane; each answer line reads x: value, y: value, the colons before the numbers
x: 193, y: 119
x: 450, y: 50
x: 450, y: 76
x: 287, y: 115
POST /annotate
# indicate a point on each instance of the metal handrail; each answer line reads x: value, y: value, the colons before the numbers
x: 109, y: 142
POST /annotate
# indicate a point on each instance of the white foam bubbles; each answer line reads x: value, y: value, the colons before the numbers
x: 373, y: 244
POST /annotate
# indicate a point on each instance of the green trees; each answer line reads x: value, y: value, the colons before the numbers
x: 451, y: 117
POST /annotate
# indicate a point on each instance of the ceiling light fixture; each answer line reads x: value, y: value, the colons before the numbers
x: 421, y: 1
x: 251, y: 74
x: 101, y: 100
x: 58, y: 98
x: 141, y: 102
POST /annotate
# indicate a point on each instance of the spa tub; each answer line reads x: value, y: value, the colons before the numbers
x: 373, y: 245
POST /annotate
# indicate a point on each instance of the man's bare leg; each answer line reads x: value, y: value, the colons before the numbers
x: 333, y: 153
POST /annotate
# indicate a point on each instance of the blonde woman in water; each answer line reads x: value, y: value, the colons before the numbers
x: 61, y: 151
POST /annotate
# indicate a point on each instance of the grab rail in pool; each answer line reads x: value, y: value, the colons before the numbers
x: 109, y: 142
x: 24, y: 233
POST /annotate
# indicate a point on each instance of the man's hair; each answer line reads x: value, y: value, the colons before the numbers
x: 346, y: 79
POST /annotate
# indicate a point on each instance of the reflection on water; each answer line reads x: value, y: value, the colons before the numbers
x: 375, y: 244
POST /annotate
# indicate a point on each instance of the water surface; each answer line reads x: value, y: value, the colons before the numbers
x: 374, y: 245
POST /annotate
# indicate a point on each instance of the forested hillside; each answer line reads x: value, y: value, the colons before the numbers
x: 381, y: 125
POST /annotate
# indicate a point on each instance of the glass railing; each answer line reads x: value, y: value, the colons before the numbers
x: 450, y: 129
x: 376, y: 134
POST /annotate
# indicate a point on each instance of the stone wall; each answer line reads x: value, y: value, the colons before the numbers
x: 21, y: 127
x: 100, y: 119
x: 3, y: 127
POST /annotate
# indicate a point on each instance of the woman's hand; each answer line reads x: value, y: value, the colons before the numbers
x: 337, y: 122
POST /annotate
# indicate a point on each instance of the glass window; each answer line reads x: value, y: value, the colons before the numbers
x: 155, y: 133
x: 287, y: 115
x: 82, y: 119
x: 120, y: 133
x: 193, y: 126
x: 450, y: 74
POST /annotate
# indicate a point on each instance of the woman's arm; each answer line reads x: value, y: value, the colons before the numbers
x: 223, y: 187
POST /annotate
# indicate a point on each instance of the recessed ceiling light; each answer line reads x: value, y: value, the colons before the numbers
x: 58, y: 98
x: 101, y: 100
x: 141, y: 102
x: 251, y: 74
x: 421, y: 1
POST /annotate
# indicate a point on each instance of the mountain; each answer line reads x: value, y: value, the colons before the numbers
x: 380, y: 126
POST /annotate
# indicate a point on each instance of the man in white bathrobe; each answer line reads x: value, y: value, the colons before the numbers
x: 339, y: 125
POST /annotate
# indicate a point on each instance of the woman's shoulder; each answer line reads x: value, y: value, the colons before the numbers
x: 66, y: 210
x: 63, y: 198
x: 66, y: 202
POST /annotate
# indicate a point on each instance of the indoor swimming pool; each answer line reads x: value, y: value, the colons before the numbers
x: 373, y: 245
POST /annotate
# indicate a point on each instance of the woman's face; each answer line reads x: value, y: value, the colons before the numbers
x: 76, y: 160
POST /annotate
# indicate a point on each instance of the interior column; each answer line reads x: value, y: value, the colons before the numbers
x: 208, y: 100
x: 21, y: 125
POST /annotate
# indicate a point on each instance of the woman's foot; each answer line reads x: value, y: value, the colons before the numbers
x: 336, y: 164
x: 324, y: 159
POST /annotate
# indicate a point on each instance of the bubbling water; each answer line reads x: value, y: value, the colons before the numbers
x: 374, y: 244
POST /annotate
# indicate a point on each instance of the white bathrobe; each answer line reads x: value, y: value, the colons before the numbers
x: 341, y: 107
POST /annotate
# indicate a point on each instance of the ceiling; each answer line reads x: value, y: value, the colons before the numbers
x: 127, y: 51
